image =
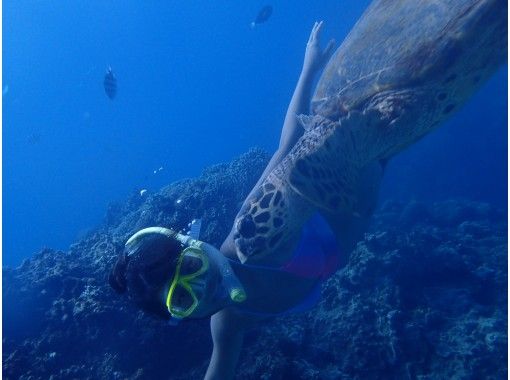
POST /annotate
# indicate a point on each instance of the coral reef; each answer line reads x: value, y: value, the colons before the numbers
x: 423, y: 296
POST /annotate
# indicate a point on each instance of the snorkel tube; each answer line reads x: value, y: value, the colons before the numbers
x: 230, y: 281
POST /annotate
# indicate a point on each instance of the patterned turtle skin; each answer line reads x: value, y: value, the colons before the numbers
x: 405, y: 67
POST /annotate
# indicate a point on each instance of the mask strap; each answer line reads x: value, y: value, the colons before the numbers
x: 149, y: 231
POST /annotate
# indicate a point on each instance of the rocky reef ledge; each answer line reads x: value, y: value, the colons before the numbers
x: 423, y: 296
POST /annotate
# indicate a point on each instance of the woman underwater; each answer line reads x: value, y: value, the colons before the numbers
x: 176, y: 277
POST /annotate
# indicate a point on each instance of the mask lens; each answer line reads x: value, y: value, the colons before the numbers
x: 191, y: 265
x: 181, y: 298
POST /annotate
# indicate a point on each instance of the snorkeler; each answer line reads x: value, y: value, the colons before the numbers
x: 178, y: 277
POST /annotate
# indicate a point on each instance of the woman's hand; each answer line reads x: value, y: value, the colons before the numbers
x: 315, y: 59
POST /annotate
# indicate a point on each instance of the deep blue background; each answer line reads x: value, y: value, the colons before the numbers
x: 196, y: 86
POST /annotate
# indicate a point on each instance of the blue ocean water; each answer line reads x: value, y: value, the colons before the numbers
x: 196, y: 86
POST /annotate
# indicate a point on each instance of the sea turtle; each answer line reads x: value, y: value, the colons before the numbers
x: 404, y: 68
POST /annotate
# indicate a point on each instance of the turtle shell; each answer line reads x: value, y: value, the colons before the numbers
x: 399, y: 44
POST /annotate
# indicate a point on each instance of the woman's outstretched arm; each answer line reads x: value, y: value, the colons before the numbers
x: 227, y: 335
x: 315, y: 59
x: 227, y: 331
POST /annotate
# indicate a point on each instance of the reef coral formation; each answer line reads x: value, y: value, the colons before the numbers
x: 423, y: 296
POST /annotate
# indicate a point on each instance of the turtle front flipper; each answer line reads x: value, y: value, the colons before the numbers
x: 269, y: 223
x: 320, y: 172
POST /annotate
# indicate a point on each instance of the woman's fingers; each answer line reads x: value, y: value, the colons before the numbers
x: 315, y: 33
x: 312, y: 33
x: 318, y: 29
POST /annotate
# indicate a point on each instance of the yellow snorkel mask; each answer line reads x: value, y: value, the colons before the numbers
x: 188, y: 287
x: 189, y: 293
x: 191, y: 265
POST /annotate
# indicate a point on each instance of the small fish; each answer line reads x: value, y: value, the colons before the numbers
x: 110, y: 83
x: 262, y: 16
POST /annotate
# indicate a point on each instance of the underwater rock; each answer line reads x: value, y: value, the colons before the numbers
x: 60, y: 302
x: 454, y: 212
x: 414, y: 212
x: 414, y: 301
x: 423, y: 295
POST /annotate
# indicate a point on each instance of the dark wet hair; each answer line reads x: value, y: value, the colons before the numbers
x: 144, y: 269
